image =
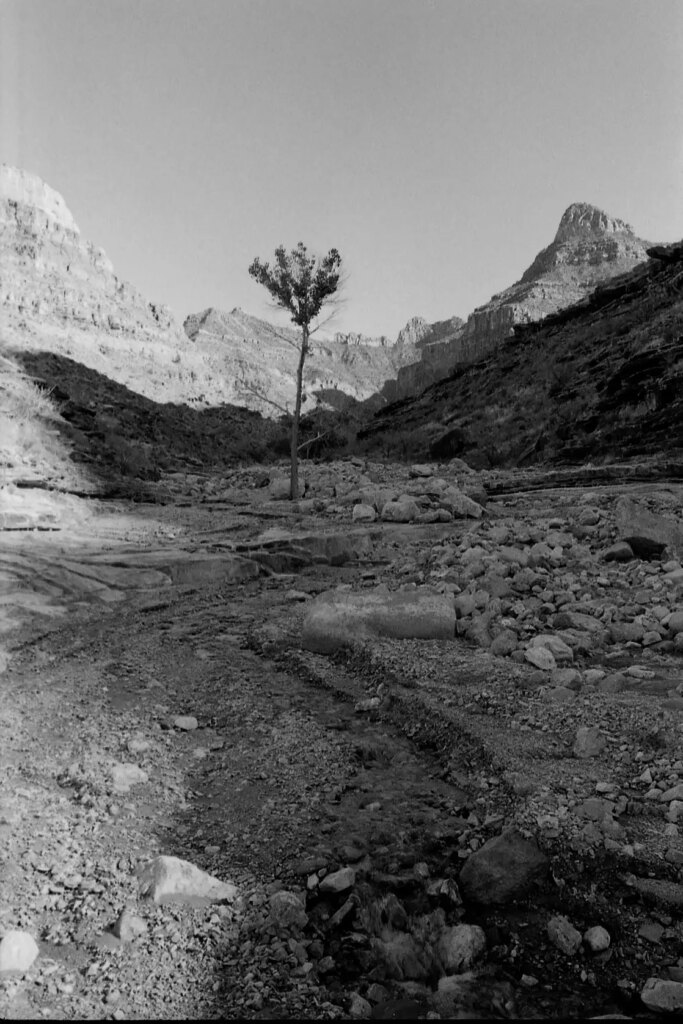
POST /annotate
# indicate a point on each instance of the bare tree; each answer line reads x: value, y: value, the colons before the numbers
x: 302, y: 284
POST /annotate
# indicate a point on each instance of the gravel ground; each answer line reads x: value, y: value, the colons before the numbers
x: 393, y: 760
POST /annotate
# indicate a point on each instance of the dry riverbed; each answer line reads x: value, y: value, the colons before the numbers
x: 460, y: 827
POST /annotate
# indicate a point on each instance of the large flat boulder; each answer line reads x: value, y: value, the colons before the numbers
x: 647, y: 533
x: 338, y: 617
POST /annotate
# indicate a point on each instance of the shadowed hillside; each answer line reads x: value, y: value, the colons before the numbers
x: 119, y: 433
x: 600, y: 380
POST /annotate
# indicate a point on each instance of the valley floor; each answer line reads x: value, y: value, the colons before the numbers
x: 156, y: 700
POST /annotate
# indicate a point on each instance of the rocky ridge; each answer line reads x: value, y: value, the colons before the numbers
x: 259, y: 361
x: 589, y: 247
x: 597, y: 381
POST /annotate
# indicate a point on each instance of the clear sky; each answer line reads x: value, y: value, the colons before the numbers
x: 435, y: 143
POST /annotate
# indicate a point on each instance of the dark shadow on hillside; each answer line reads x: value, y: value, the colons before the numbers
x: 124, y: 437
x: 600, y: 381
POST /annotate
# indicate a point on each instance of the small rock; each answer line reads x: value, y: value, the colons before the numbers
x: 18, y: 950
x: 665, y: 996
x: 186, y: 723
x: 126, y: 775
x: 541, y: 657
x: 460, y: 946
x: 170, y: 879
x: 359, y: 1008
x: 504, y: 868
x: 504, y: 643
x: 338, y: 881
x: 401, y: 511
x: 377, y: 993
x: 589, y: 742
x: 287, y: 909
x: 563, y: 934
x: 363, y: 514
x: 675, y: 793
x: 128, y: 926
x: 138, y: 745
x: 597, y: 939
x: 619, y: 552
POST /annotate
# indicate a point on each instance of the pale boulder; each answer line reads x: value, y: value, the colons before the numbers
x: 363, y: 513
x: 18, y: 950
x: 403, y: 510
x: 170, y: 879
x: 337, y: 618
x: 460, y: 946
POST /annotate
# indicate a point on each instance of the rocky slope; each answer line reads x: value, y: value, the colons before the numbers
x: 260, y: 358
x: 589, y: 247
x: 601, y: 379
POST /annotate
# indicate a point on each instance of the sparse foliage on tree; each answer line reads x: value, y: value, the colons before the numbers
x: 303, y: 284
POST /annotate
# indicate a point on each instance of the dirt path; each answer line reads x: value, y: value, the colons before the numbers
x: 395, y: 763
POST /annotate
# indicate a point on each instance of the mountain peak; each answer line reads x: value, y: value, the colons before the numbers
x: 581, y: 219
x: 19, y: 186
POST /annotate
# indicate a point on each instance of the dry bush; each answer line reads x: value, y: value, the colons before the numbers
x: 29, y: 419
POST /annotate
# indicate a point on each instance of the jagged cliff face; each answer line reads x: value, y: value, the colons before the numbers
x: 59, y: 293
x: 261, y: 360
x: 590, y: 247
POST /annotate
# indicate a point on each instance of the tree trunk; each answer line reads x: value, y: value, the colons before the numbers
x: 294, y: 478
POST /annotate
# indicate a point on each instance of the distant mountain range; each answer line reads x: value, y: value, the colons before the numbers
x: 59, y: 293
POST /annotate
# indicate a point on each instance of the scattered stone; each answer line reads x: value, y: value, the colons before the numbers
x: 363, y: 514
x: 170, y: 879
x: 589, y: 742
x: 404, y: 510
x: 287, y: 910
x: 648, y: 533
x: 18, y: 950
x: 597, y: 939
x: 460, y: 505
x: 675, y: 793
x: 460, y: 946
x: 563, y: 934
x: 675, y: 623
x: 126, y: 775
x: 619, y: 552
x: 138, y: 745
x: 663, y: 996
x: 359, y: 1008
x: 560, y: 651
x: 504, y: 643
x: 186, y: 723
x: 128, y: 926
x: 338, y: 881
x: 541, y: 658
x: 504, y: 868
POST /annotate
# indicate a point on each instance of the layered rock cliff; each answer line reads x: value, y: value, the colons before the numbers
x: 59, y: 293
x: 589, y: 247
x: 260, y: 360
